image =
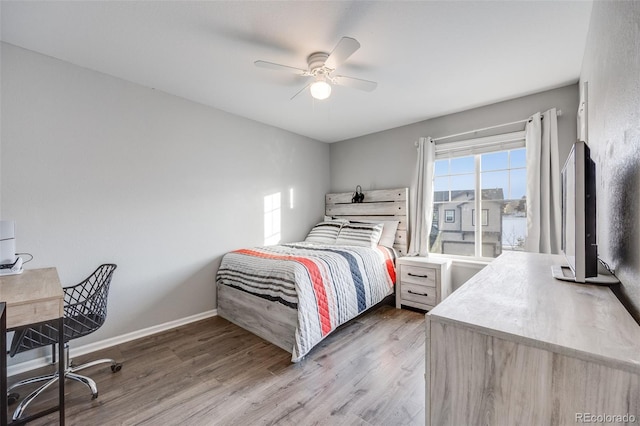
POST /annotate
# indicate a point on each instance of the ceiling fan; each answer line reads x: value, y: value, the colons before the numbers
x: 322, y: 67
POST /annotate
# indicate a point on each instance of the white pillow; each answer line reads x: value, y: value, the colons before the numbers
x: 335, y: 219
x: 324, y: 233
x: 389, y: 229
x: 360, y: 234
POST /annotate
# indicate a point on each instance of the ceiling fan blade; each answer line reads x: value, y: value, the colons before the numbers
x: 356, y: 83
x: 300, y: 91
x: 345, y: 48
x: 279, y: 67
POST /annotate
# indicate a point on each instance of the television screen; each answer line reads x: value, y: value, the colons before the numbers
x: 569, y: 210
x: 579, y: 213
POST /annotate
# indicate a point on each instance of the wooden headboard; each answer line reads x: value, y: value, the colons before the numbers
x: 379, y: 204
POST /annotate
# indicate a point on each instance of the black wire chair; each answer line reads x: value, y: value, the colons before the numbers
x: 85, y: 310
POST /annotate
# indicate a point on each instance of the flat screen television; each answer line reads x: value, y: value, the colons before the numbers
x: 579, y: 220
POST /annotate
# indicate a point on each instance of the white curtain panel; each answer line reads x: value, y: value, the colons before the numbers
x: 421, y: 199
x: 544, y: 216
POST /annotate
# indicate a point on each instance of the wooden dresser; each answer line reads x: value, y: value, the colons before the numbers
x: 515, y: 346
x: 422, y: 282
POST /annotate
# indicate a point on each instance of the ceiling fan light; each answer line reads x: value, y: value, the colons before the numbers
x: 320, y: 89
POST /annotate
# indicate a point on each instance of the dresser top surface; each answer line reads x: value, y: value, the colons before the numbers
x: 515, y: 297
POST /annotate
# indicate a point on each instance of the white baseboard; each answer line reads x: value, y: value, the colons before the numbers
x: 92, y: 347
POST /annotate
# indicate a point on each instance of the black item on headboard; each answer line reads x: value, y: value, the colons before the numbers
x: 358, y: 196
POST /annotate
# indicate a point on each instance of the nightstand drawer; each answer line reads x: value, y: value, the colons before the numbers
x: 419, y: 294
x: 418, y: 275
x: 422, y: 282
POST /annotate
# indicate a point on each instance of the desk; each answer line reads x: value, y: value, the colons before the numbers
x: 32, y: 297
x: 3, y: 362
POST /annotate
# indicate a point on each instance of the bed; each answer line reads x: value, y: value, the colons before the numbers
x: 294, y: 295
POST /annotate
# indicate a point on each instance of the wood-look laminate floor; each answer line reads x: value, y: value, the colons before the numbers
x: 369, y: 372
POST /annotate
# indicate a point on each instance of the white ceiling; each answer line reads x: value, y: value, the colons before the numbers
x: 430, y: 58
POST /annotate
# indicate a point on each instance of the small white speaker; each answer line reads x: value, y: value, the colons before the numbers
x: 7, y: 242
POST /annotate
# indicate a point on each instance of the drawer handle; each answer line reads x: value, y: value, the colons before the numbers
x: 418, y: 276
x: 418, y: 294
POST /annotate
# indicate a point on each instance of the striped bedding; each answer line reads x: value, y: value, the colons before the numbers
x: 327, y: 284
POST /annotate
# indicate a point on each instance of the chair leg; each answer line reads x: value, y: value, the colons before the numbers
x: 52, y: 378
x: 113, y: 363
x: 32, y: 380
x: 87, y: 381
x: 25, y: 402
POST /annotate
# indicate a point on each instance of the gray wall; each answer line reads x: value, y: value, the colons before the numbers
x: 96, y: 169
x: 387, y: 159
x: 611, y: 66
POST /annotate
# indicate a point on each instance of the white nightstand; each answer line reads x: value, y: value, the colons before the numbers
x: 422, y: 282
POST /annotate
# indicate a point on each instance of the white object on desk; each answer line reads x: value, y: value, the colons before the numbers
x: 7, y: 242
x: 422, y: 282
x: 12, y: 266
x: 15, y: 269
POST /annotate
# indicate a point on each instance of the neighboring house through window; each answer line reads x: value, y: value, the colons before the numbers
x: 498, y: 176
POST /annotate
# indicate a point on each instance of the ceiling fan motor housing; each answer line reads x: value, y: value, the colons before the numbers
x: 316, y: 63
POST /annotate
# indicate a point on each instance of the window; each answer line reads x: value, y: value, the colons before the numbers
x: 449, y: 216
x: 499, y: 179
x: 485, y: 217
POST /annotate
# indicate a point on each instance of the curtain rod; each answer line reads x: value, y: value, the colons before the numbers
x: 558, y: 113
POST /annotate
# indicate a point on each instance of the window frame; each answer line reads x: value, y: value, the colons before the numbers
x: 485, y: 217
x: 475, y: 148
x: 453, y: 216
